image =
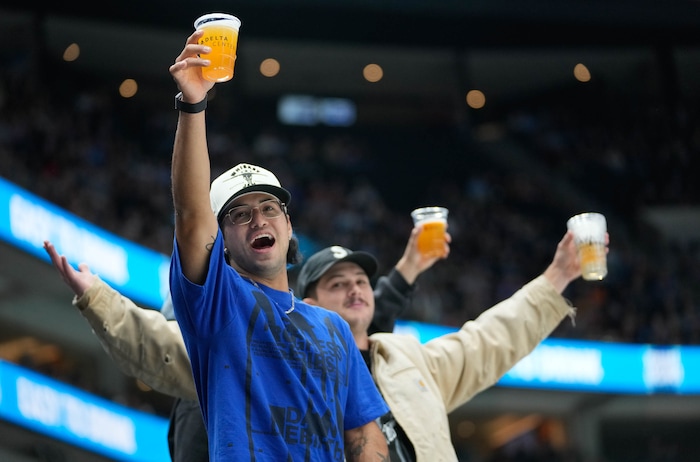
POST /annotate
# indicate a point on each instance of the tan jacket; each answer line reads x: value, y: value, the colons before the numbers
x: 422, y: 383
x: 142, y: 342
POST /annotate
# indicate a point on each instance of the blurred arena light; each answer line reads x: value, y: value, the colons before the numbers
x: 269, y: 67
x: 373, y: 73
x: 582, y: 73
x: 128, y: 88
x: 72, y: 52
x: 476, y: 99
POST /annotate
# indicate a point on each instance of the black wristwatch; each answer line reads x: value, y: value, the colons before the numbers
x: 189, y: 108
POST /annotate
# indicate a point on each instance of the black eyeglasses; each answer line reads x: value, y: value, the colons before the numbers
x: 243, y: 214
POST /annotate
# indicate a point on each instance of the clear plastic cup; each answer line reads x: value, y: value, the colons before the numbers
x: 431, y: 240
x: 221, y: 34
x: 589, y: 234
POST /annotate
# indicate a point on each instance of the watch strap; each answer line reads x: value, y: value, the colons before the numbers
x: 188, y: 107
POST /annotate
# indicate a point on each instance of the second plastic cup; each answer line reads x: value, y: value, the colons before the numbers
x: 589, y: 234
x: 431, y: 241
x: 221, y: 34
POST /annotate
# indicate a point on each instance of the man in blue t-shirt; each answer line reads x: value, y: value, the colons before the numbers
x: 277, y: 379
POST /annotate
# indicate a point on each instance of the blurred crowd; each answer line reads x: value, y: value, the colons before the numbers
x: 107, y: 160
x: 77, y: 143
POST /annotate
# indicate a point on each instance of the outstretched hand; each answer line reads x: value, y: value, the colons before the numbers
x: 413, y: 262
x: 566, y: 266
x: 79, y: 281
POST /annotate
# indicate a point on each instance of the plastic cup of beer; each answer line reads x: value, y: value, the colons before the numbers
x: 221, y: 34
x: 431, y: 240
x: 589, y: 235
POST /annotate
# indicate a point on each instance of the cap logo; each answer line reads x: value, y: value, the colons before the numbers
x: 246, y: 172
x: 248, y: 178
x: 339, y: 252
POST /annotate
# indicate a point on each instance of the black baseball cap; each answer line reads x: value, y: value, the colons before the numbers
x: 319, y: 263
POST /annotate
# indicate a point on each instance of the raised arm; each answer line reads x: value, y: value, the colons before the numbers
x: 392, y: 292
x: 141, y: 342
x: 195, y: 224
x: 466, y: 362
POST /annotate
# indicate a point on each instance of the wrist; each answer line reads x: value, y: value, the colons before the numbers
x: 189, y: 108
x: 557, y: 278
x: 407, y: 271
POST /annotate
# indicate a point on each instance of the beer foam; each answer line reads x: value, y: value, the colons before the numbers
x: 219, y: 19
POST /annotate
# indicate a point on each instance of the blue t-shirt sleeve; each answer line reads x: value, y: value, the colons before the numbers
x: 205, y: 309
x: 365, y: 403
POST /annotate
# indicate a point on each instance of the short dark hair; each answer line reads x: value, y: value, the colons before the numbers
x: 293, y: 253
x: 311, y: 290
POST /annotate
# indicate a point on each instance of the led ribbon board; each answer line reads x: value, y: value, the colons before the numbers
x: 68, y: 414
x: 26, y: 220
x: 599, y: 367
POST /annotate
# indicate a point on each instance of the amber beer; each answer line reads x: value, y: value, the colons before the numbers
x: 593, y: 260
x: 431, y: 240
x: 589, y: 234
x: 221, y: 34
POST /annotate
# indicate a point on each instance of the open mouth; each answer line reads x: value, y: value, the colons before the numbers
x: 263, y: 242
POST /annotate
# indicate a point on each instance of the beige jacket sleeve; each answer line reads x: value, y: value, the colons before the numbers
x: 142, y: 342
x: 461, y: 364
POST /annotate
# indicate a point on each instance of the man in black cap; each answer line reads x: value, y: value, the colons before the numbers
x: 422, y: 383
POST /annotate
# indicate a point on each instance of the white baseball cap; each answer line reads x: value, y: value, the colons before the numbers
x: 243, y: 179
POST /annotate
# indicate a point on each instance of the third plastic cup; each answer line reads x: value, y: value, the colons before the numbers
x: 431, y: 241
x: 221, y: 34
x: 589, y: 234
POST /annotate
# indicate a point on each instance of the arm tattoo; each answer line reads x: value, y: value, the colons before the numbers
x: 356, y: 447
x: 210, y: 246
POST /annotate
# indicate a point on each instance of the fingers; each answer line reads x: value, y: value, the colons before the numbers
x: 187, y: 63
x: 568, y: 238
x: 56, y: 259
x: 61, y: 262
x: 411, y: 249
x: 51, y: 251
x: 187, y: 69
x: 190, y: 55
x: 192, y: 47
x: 414, y: 234
x: 194, y: 37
